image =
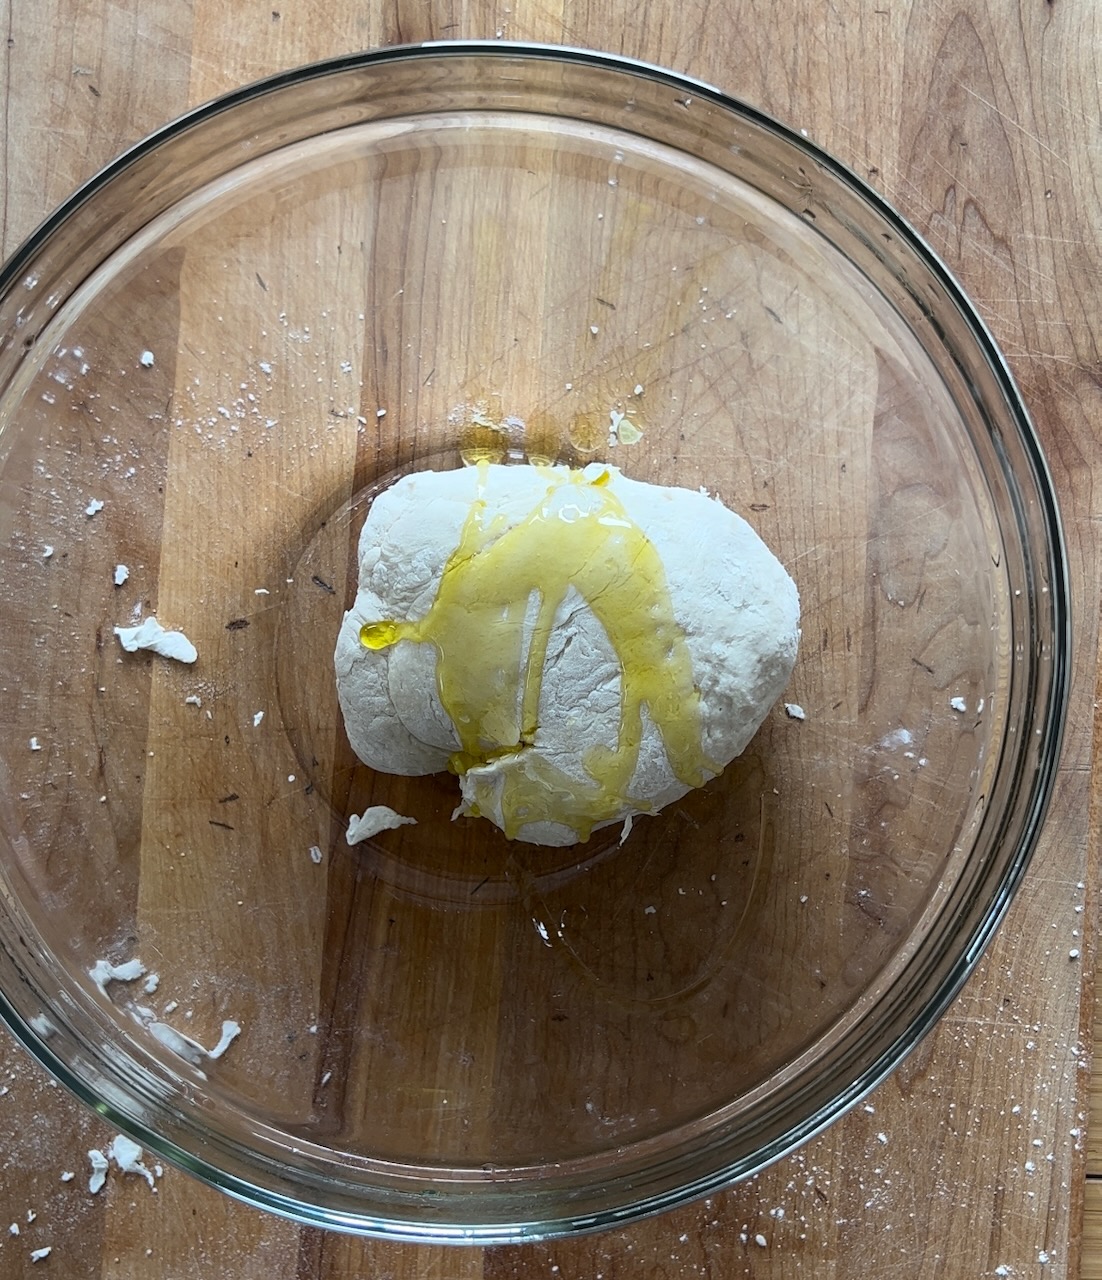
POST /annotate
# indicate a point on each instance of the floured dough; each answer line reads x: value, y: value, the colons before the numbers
x: 710, y: 600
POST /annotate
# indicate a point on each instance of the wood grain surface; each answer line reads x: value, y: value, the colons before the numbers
x: 980, y: 122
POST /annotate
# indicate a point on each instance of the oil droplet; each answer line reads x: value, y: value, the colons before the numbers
x: 588, y: 433
x: 482, y: 441
x: 542, y: 440
x: 379, y: 635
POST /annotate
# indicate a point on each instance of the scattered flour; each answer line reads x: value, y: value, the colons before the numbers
x: 151, y: 635
x: 127, y: 1155
x: 103, y: 972
x: 100, y: 1166
x: 187, y: 1048
x: 230, y: 1031
x: 378, y: 818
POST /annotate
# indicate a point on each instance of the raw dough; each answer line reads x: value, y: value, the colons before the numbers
x: 708, y: 596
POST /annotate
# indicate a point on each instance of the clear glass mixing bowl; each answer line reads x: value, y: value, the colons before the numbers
x: 236, y: 335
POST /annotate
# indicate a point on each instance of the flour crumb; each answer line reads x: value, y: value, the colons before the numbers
x: 38, y: 1255
x: 959, y: 705
x: 13, y: 1230
x: 146, y: 359
x: 183, y: 1046
x: 193, y: 700
x: 47, y: 551
x: 794, y: 711
x: 152, y: 982
x: 760, y: 1240
x: 93, y: 506
x: 230, y: 1031
x: 35, y: 745
x: 121, y: 574
x: 151, y: 635
x: 378, y: 818
x: 103, y: 972
x: 99, y: 1165
x: 315, y: 854
x: 629, y: 822
x: 42, y: 1025
x: 68, y: 1176
x: 127, y: 1155
x: 259, y: 715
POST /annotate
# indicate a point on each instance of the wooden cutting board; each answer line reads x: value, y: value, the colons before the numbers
x: 982, y: 128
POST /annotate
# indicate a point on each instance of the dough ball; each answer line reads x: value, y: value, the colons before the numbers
x: 733, y: 604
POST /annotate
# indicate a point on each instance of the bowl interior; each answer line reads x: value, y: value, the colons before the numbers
x: 413, y: 263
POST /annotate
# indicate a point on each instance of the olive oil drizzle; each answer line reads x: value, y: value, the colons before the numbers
x: 579, y: 536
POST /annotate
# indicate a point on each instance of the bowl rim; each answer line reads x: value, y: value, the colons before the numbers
x: 1052, y: 715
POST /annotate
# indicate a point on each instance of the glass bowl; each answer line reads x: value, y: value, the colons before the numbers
x: 212, y: 357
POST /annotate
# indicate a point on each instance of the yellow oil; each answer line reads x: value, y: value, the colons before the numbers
x: 588, y: 432
x: 543, y: 439
x: 482, y: 441
x: 491, y: 688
